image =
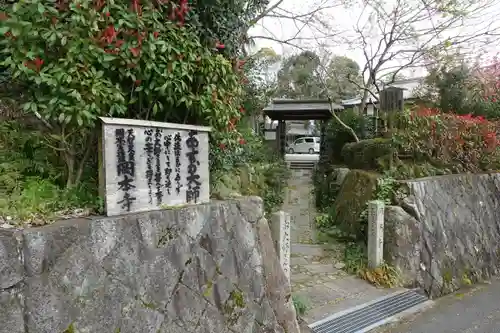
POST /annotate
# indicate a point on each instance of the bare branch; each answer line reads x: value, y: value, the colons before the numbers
x: 314, y: 21
x: 399, y: 35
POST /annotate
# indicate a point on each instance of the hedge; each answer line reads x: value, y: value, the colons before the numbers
x: 368, y: 154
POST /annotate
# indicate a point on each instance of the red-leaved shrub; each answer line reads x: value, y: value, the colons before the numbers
x: 461, y: 142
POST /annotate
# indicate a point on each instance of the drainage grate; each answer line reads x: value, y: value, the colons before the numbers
x: 367, y: 316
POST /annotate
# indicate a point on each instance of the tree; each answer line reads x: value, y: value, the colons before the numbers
x: 226, y: 21
x: 341, y: 73
x: 261, y: 85
x: 298, y: 77
x: 462, y: 88
x: 301, y: 76
x: 81, y: 60
x: 452, y: 87
x: 399, y: 35
x: 305, y: 76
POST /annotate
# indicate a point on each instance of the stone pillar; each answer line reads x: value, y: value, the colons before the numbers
x: 323, y: 149
x: 280, y: 231
x: 281, y: 137
x: 375, y: 233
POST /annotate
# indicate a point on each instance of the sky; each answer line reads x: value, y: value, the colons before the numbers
x: 342, y: 19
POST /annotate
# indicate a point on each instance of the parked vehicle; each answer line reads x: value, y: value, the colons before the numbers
x: 307, y: 145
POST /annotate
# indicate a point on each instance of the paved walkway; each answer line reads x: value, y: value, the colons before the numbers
x: 299, y: 203
x: 318, y: 278
x: 317, y: 273
x: 476, y: 310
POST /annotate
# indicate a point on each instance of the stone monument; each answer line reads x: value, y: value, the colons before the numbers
x: 146, y: 165
x: 280, y: 230
x: 375, y: 233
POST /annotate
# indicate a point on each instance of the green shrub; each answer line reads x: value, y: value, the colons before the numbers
x: 337, y: 136
x: 369, y: 154
x: 80, y: 60
x: 326, y: 188
x: 32, y: 185
x: 301, y: 305
x: 251, y: 168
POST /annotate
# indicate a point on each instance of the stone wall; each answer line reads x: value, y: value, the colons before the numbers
x: 201, y: 269
x: 446, y: 232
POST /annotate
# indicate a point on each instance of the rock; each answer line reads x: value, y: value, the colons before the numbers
x: 11, y: 312
x: 340, y: 174
x: 278, y: 289
x: 402, y: 243
x: 357, y: 189
x: 11, y: 266
x: 251, y: 208
x: 339, y: 265
x: 456, y: 237
x: 197, y: 269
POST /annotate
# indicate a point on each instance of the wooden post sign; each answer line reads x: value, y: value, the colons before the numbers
x: 146, y: 165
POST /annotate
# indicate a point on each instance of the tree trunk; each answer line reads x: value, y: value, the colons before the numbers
x: 363, y: 102
x: 70, y: 167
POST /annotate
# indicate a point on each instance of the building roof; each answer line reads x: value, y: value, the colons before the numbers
x: 356, y: 101
x: 303, y: 109
x: 409, y: 86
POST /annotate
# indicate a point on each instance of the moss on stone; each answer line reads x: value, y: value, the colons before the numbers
x: 237, y: 297
x: 234, y: 302
x: 217, y: 269
x: 148, y: 305
x: 208, y: 289
x: 447, y: 276
x: 166, y: 236
x: 70, y: 329
x: 466, y: 279
x: 357, y: 189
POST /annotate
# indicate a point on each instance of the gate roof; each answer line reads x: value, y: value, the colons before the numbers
x: 301, y: 109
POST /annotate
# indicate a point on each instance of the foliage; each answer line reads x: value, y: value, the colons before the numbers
x: 337, y: 135
x: 31, y: 179
x: 403, y: 169
x: 326, y: 188
x: 343, y: 78
x: 163, y: 61
x: 301, y: 305
x: 460, y: 143
x: 460, y: 89
x: 368, y: 154
x: 297, y: 77
x: 383, y: 276
x: 88, y: 59
x: 386, y: 187
x: 250, y: 169
x: 344, y: 218
x: 224, y: 20
x: 306, y: 75
x: 355, y: 258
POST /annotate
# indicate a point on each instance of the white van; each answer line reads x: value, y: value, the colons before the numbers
x: 307, y: 145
